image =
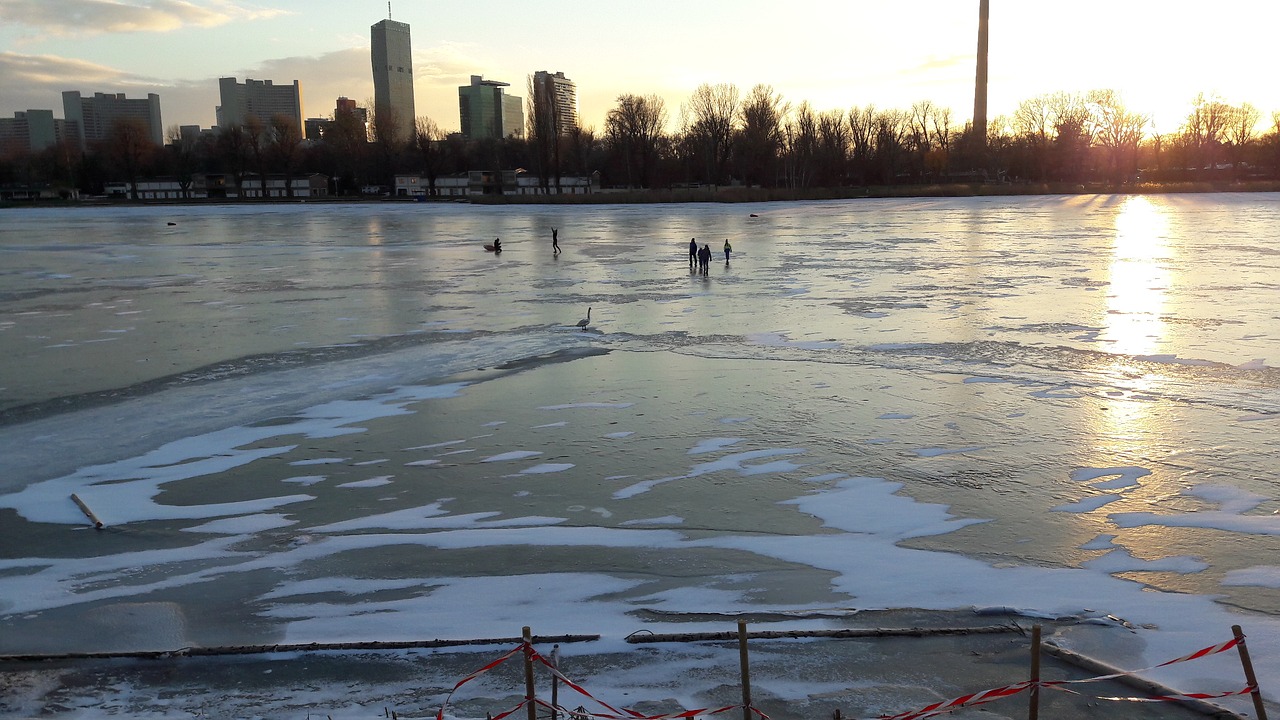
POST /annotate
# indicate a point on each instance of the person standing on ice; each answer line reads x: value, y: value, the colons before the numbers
x: 704, y: 259
x: 693, y: 251
x: 727, y: 249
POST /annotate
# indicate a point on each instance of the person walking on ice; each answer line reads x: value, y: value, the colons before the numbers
x: 693, y: 251
x: 555, y: 241
x: 727, y: 249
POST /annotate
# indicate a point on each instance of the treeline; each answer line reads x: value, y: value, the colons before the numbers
x: 720, y: 138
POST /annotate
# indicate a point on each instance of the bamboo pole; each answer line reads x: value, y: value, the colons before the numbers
x: 1094, y: 665
x: 1033, y: 712
x: 746, y: 670
x: 845, y: 633
x: 531, y: 708
x: 1249, y: 675
x: 97, y: 524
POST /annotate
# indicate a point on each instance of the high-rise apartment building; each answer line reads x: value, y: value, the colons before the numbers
x: 95, y: 116
x: 392, y: 58
x: 258, y: 99
x: 486, y: 112
x: 33, y: 131
x: 559, y: 95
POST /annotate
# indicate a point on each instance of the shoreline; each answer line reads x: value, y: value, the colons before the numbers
x: 723, y: 195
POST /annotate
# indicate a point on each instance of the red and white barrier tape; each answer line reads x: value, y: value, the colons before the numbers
x: 997, y: 693
x: 476, y: 674
x: 938, y: 708
x: 946, y: 706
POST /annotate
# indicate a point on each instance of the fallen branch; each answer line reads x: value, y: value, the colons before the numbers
x: 97, y: 524
x: 1150, y: 687
x: 296, y: 647
x: 641, y: 637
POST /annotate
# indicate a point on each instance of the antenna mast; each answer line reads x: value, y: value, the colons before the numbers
x: 388, y: 9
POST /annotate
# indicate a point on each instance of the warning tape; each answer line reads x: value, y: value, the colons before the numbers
x: 978, y: 698
x: 938, y: 708
x: 1202, y: 652
x: 476, y: 674
x: 987, y: 696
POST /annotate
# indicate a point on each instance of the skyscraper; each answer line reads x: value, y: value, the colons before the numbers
x: 486, y: 112
x: 95, y: 116
x: 392, y: 58
x: 558, y: 94
x: 260, y: 99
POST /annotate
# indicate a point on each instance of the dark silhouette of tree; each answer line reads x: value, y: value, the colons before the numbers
x: 387, y: 145
x: 427, y: 140
x: 833, y: 149
x: 1204, y: 129
x: 544, y: 132
x: 1240, y: 131
x: 286, y: 140
x: 183, y: 162
x: 760, y: 138
x: 347, y: 140
x: 862, y: 139
x: 131, y: 149
x: 800, y: 135
x: 1118, y: 132
x: 632, y: 130
x: 892, y: 129
x: 709, y: 118
x: 256, y: 141
x: 233, y: 148
x: 582, y: 151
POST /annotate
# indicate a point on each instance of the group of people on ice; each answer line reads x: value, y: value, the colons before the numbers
x: 702, y: 256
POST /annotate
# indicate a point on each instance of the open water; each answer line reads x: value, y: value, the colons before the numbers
x: 349, y: 422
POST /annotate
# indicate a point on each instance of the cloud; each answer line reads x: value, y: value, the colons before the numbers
x: 94, y: 17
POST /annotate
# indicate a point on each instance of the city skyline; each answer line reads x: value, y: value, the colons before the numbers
x: 861, y: 53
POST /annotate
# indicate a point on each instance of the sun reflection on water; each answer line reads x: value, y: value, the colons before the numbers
x: 1139, y: 278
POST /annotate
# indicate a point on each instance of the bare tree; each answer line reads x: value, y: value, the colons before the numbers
x: 833, y: 148
x: 800, y: 155
x: 633, y: 129
x: 131, y: 148
x: 1118, y: 131
x: 182, y: 158
x: 1204, y: 128
x: 286, y: 138
x: 543, y: 132
x: 428, y: 142
x: 862, y: 138
x: 255, y: 136
x: 760, y: 139
x: 386, y: 139
x: 1241, y: 128
x: 709, y: 118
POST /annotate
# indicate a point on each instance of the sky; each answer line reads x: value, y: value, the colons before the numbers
x: 835, y: 54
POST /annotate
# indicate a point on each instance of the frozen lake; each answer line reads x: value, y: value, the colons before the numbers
x: 349, y: 422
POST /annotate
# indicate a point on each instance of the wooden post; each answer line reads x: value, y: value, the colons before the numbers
x: 555, y: 682
x: 1249, y: 676
x: 531, y: 708
x: 1033, y: 712
x: 746, y: 671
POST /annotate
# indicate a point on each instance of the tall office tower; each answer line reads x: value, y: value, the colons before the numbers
x: 486, y: 112
x: 96, y: 115
x: 558, y: 94
x: 258, y: 99
x: 392, y: 58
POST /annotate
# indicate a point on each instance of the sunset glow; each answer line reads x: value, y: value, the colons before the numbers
x: 833, y: 54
